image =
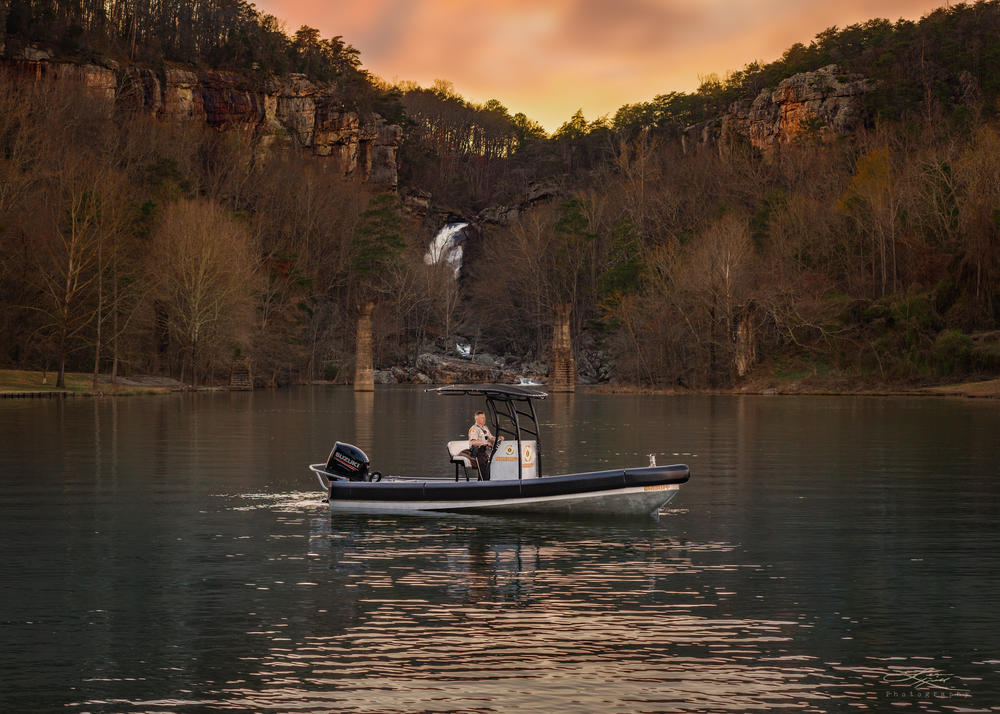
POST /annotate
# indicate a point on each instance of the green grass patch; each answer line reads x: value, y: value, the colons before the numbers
x: 17, y: 380
x: 801, y: 366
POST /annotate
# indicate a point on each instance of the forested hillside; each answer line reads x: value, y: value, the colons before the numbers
x: 226, y: 34
x: 129, y: 243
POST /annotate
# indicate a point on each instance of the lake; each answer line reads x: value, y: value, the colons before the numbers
x: 172, y: 553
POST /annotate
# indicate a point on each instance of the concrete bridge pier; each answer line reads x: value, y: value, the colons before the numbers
x: 364, y: 373
x: 563, y: 371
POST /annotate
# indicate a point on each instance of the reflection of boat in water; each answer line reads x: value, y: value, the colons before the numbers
x: 516, y: 483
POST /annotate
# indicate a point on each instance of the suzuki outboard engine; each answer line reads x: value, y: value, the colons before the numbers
x: 348, y: 462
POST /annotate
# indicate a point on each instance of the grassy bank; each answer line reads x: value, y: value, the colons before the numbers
x: 831, y: 386
x: 828, y: 385
x: 17, y: 381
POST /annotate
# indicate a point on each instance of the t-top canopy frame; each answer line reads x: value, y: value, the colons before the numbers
x: 505, y: 404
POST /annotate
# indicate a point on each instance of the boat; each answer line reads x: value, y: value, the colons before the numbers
x: 517, y: 483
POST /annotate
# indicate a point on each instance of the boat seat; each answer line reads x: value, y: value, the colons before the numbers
x: 460, y: 455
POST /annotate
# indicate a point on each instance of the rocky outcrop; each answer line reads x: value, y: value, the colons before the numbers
x: 293, y: 109
x: 700, y: 135
x: 447, y: 370
x: 824, y: 103
x: 433, y: 368
x: 37, y: 64
x: 506, y: 215
x: 417, y: 202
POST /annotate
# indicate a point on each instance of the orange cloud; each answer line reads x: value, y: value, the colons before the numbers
x: 549, y: 58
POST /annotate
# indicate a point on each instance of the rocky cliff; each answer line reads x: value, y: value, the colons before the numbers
x: 824, y: 103
x: 291, y: 108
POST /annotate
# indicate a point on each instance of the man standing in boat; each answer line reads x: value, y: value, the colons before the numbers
x: 480, y: 441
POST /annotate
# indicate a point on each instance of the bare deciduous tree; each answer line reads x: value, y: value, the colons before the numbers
x: 979, y: 214
x: 73, y: 229
x: 872, y: 200
x: 203, y: 269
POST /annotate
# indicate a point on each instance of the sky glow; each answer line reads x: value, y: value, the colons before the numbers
x: 548, y: 58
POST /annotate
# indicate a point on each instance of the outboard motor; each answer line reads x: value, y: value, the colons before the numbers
x: 348, y: 462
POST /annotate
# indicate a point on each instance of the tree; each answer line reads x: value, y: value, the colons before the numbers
x: 116, y: 288
x: 512, y: 295
x: 873, y: 201
x: 636, y: 162
x: 203, y: 268
x: 69, y: 242
x: 979, y: 217
x: 75, y: 201
x: 706, y: 285
x: 378, y: 243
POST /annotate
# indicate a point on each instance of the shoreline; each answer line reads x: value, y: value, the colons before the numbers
x: 34, y: 384
x: 27, y: 384
x: 980, y: 389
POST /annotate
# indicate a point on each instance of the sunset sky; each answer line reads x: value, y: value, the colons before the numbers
x: 548, y: 58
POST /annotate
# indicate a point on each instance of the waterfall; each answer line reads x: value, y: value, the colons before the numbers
x: 446, y: 247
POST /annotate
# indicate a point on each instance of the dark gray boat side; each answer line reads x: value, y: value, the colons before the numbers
x: 441, y: 490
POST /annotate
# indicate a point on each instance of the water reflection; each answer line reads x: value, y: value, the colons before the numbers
x: 170, y: 554
x: 513, y: 614
x: 364, y: 421
x: 406, y: 613
x: 557, y: 433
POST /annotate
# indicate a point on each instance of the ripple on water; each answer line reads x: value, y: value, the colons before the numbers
x: 169, y: 555
x: 293, y: 502
x: 489, y: 615
x: 501, y: 615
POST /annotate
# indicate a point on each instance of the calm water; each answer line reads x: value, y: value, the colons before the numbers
x: 171, y: 554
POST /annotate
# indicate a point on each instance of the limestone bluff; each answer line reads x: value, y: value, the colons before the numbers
x: 290, y: 108
x: 828, y: 100
x: 308, y: 113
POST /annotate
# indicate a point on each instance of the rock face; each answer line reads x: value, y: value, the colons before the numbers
x: 446, y: 370
x: 507, y: 215
x: 431, y: 368
x: 293, y: 109
x: 417, y: 202
x: 824, y: 102
x: 37, y: 64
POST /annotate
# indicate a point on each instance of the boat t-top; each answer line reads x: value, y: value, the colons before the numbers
x: 517, y: 481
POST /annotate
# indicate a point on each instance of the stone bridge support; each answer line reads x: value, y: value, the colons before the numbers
x: 563, y: 371
x: 364, y: 374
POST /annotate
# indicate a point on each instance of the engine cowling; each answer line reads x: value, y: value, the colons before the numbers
x: 349, y: 462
